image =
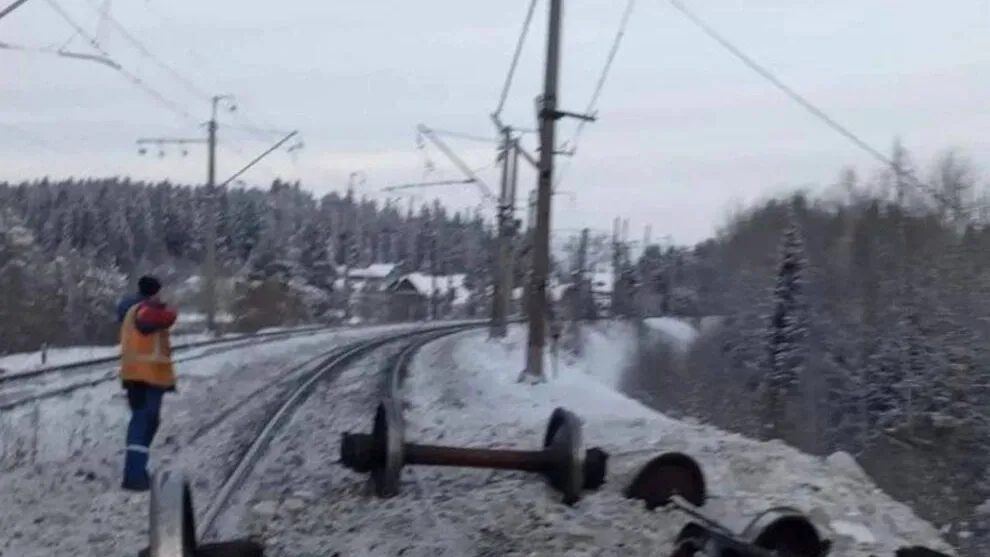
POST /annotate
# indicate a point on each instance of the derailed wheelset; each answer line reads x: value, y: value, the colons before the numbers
x: 172, y: 524
x: 776, y: 532
x: 676, y: 479
x: 563, y: 459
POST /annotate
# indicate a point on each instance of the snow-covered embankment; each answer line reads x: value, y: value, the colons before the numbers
x: 60, y: 459
x: 463, y: 390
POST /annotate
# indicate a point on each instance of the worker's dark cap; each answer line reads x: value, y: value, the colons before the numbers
x: 149, y: 286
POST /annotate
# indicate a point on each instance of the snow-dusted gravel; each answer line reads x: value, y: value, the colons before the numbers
x: 299, y: 500
x: 67, y: 499
x: 16, y: 389
x: 462, y: 390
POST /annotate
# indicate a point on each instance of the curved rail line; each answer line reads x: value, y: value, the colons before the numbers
x: 233, y: 342
x: 331, y: 365
x: 457, y: 542
x: 110, y: 375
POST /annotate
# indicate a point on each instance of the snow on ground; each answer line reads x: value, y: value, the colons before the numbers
x: 62, y: 495
x: 26, y: 361
x: 609, y: 346
x: 463, y: 390
x: 677, y: 330
x: 607, y: 349
x: 300, y: 501
x: 186, y: 317
x: 39, y: 429
x: 49, y: 382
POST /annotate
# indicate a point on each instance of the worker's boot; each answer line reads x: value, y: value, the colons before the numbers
x: 136, y: 469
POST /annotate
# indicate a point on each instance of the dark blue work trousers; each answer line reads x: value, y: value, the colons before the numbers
x: 145, y: 402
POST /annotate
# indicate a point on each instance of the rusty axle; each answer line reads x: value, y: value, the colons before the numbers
x: 563, y: 459
x: 362, y: 455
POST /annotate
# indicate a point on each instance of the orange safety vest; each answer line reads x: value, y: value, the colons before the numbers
x: 145, y: 358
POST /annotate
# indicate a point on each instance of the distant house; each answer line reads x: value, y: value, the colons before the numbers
x: 373, y: 277
x: 376, y: 274
x: 368, y: 288
x: 411, y: 295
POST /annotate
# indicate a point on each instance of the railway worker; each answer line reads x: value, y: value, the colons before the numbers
x: 146, y: 373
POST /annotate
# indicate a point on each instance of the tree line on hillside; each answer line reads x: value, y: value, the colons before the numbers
x: 856, y: 322
x: 69, y: 249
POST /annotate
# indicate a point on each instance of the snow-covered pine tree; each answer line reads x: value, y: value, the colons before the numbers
x: 787, y: 331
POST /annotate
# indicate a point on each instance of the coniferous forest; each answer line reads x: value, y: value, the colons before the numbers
x: 857, y: 319
x: 68, y: 249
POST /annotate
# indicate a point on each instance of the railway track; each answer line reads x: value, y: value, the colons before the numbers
x: 239, y: 340
x: 173, y: 525
x: 456, y: 543
x: 21, y: 388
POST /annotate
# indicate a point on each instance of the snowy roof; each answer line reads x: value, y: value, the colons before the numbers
x: 424, y: 283
x: 555, y: 289
x: 355, y: 286
x: 374, y: 271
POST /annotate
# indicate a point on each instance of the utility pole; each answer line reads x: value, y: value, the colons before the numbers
x: 211, y: 233
x: 643, y: 280
x: 531, y: 211
x: 433, y: 267
x: 210, y: 263
x: 549, y: 114
x: 616, y: 299
x: 578, y: 294
x: 502, y: 255
x: 508, y: 271
x: 352, y: 236
x: 348, y: 249
x: 579, y: 278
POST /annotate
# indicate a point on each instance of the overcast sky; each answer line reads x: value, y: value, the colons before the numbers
x: 685, y: 133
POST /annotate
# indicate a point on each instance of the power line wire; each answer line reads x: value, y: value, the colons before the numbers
x: 135, y: 80
x: 600, y: 85
x: 466, y: 136
x: 515, y: 57
x: 264, y: 132
x: 136, y: 43
x: 803, y: 101
x: 258, y: 131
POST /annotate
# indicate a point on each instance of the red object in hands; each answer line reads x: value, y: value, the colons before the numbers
x: 152, y: 315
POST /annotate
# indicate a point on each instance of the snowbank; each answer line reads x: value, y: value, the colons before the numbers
x: 683, y: 334
x: 607, y: 349
x: 464, y: 391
